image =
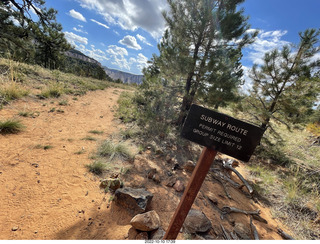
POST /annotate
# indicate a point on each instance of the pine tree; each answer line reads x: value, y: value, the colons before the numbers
x: 14, y: 35
x: 204, y: 38
x: 286, y: 86
x: 23, y: 38
x: 49, y: 41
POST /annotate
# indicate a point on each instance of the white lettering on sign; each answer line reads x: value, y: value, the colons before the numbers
x: 226, y: 135
x: 222, y: 124
x: 212, y: 120
x: 221, y: 132
x: 237, y: 129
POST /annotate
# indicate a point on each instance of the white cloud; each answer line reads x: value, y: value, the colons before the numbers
x: 115, y: 50
x: 77, y: 15
x: 73, y: 38
x: 79, y: 30
x: 265, y: 42
x: 131, y: 14
x: 117, y: 55
x: 143, y: 40
x: 142, y: 61
x: 130, y: 42
x: 99, y: 23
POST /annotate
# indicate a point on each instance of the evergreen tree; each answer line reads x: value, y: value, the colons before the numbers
x: 49, y: 41
x: 286, y: 86
x: 14, y: 35
x: 203, y: 39
x: 21, y: 36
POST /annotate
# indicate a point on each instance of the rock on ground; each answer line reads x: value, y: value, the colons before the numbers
x: 146, y: 222
x: 196, y: 221
x: 112, y: 184
x: 179, y: 186
x: 157, y: 234
x: 136, y: 200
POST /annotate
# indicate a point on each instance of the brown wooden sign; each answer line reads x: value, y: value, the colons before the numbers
x: 221, y: 132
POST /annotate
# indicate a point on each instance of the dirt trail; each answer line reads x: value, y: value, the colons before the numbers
x: 49, y: 194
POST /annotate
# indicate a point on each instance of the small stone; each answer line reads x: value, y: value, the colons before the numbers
x: 146, y: 222
x: 114, y: 175
x: 156, y: 178
x: 151, y: 173
x: 178, y: 186
x: 112, y: 184
x: 189, y: 166
x: 15, y: 228
x: 35, y: 165
x: 170, y: 181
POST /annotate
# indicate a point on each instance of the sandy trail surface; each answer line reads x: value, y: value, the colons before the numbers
x: 49, y: 193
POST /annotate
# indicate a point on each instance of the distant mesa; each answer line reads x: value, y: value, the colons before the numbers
x: 123, y: 76
x: 79, y: 55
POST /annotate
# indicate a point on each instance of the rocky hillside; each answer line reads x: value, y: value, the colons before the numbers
x: 79, y: 55
x: 123, y: 76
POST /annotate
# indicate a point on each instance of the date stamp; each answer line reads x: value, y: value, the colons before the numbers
x: 160, y: 241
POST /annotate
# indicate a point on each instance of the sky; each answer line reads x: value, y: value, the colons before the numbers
x: 123, y: 34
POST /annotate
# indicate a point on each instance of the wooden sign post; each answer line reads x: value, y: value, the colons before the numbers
x: 217, y: 132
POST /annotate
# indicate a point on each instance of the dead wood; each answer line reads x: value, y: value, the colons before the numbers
x: 234, y: 236
x: 224, y: 186
x: 225, y: 233
x: 254, y: 229
x: 225, y: 178
x: 228, y: 165
x: 284, y: 235
x: 259, y: 218
x: 228, y: 210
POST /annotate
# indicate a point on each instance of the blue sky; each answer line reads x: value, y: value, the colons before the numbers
x: 123, y: 34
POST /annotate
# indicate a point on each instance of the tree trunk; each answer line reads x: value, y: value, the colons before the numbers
x: 189, y: 96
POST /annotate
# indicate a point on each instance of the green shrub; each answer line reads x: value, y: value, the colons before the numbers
x: 97, y: 167
x: 11, y: 126
x: 127, y: 110
x: 112, y: 150
x: 53, y: 90
x: 89, y: 138
x: 11, y: 91
x: 96, y: 132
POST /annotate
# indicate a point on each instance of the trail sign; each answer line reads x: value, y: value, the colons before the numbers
x: 221, y: 132
x: 217, y: 132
